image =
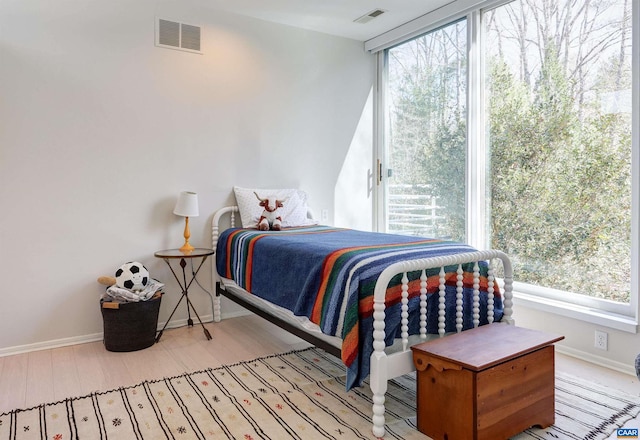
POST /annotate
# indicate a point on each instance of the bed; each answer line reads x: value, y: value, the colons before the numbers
x: 369, y: 296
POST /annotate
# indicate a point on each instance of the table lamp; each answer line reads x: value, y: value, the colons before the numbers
x: 187, y: 206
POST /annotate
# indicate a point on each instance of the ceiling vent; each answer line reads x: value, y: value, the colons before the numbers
x: 366, y: 18
x: 180, y: 36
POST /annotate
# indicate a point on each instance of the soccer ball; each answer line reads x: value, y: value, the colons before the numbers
x: 132, y: 275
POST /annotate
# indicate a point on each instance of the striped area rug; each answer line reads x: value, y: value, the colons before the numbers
x: 297, y: 395
x: 586, y: 411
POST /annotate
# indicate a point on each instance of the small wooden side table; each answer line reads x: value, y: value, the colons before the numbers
x: 169, y: 255
x: 487, y: 383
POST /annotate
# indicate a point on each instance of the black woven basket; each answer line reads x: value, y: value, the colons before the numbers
x: 130, y: 326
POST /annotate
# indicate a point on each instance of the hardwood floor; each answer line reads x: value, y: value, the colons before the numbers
x: 29, y: 379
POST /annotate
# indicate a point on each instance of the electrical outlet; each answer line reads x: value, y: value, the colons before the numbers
x: 601, y: 340
x: 324, y: 215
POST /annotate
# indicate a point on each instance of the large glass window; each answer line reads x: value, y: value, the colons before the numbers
x: 558, y: 76
x: 555, y: 104
x: 427, y: 83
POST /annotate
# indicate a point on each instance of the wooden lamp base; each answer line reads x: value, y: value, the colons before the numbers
x: 186, y: 248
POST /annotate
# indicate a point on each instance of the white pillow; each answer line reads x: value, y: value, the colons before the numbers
x: 293, y: 213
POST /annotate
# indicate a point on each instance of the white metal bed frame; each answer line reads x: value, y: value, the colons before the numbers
x: 386, y: 365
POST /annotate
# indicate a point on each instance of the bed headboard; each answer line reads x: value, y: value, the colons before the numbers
x: 217, y: 217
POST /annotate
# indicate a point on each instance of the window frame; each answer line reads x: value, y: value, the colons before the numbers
x: 602, y: 312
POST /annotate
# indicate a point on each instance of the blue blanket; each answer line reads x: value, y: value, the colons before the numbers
x: 328, y: 275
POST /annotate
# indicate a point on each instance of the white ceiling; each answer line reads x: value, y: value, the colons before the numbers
x: 335, y: 17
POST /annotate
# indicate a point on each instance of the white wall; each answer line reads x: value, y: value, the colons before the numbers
x: 100, y: 130
x: 623, y: 347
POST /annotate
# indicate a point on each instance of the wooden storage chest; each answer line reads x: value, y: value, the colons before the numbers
x: 487, y: 383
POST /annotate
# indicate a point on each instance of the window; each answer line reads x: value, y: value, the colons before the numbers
x: 427, y: 119
x: 548, y: 151
x: 559, y: 136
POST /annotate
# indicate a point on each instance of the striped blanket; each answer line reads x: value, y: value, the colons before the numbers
x: 329, y: 274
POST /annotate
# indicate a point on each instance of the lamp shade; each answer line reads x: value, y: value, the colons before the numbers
x: 187, y: 205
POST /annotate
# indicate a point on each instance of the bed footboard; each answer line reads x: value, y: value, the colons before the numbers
x: 384, y: 366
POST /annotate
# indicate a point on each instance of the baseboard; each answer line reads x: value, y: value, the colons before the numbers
x: 597, y: 360
x: 56, y: 343
x: 64, y: 342
x: 46, y: 345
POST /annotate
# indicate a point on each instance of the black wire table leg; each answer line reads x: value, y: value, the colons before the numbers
x: 185, y: 291
x: 169, y: 319
x: 206, y: 332
x: 169, y: 254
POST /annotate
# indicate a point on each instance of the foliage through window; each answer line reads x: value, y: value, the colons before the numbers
x: 557, y: 120
x: 427, y: 137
